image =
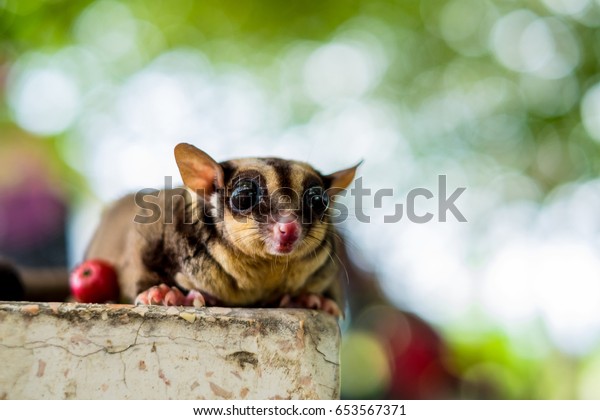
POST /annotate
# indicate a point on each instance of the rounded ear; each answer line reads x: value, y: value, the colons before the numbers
x: 199, y: 171
x: 340, y: 180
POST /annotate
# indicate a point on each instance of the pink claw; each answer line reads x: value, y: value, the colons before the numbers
x: 331, y: 308
x: 170, y: 296
x: 311, y: 301
x: 195, y: 298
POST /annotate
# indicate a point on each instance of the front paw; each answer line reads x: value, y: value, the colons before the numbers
x: 170, y: 296
x: 311, y: 301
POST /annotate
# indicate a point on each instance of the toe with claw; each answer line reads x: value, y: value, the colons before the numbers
x: 170, y: 296
x: 311, y: 301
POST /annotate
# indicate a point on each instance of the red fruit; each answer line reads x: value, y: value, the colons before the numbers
x: 94, y: 281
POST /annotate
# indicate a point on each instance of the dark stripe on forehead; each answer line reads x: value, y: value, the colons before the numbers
x: 282, y: 170
x: 278, y: 173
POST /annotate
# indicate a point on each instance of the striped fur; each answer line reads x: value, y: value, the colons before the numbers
x: 212, y: 248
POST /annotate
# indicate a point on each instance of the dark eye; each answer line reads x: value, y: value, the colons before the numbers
x: 316, y: 199
x: 245, y: 196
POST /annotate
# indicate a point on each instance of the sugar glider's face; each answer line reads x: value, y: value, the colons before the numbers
x: 264, y: 206
x: 272, y: 206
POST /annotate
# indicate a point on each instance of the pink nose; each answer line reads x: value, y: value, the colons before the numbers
x: 286, y: 232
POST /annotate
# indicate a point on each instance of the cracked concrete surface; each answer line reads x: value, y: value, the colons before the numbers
x: 67, y: 350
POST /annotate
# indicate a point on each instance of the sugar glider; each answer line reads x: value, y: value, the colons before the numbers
x: 244, y: 232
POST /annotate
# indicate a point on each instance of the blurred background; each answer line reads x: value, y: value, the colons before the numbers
x: 501, y: 96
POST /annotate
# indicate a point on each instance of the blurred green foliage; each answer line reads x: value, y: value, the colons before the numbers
x: 427, y: 56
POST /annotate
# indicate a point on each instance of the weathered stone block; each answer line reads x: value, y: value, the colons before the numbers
x: 66, y: 350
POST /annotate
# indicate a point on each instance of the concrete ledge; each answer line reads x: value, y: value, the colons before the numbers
x: 80, y: 351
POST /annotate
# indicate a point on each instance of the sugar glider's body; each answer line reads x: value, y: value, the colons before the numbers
x: 246, y: 232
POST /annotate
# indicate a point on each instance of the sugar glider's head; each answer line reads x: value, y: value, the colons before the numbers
x: 264, y: 207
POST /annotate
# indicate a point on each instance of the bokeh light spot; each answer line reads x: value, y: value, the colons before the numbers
x: 590, y: 111
x: 365, y: 366
x: 506, y: 38
x: 339, y: 71
x: 44, y: 101
x: 525, y: 43
x: 109, y: 28
x: 465, y: 24
x: 567, y: 7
